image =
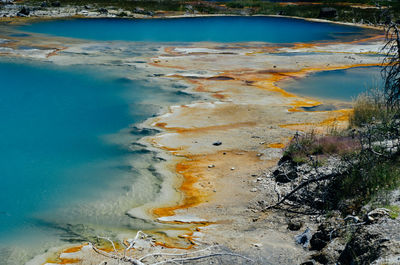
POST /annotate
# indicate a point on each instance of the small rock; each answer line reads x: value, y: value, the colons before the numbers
x: 294, y: 225
x: 211, y: 166
x: 310, y: 262
x: 257, y: 245
x: 232, y: 168
x: 254, y: 190
x: 217, y: 143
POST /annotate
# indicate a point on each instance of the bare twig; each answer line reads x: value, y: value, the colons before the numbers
x: 203, y: 257
x: 300, y: 186
x: 173, y: 254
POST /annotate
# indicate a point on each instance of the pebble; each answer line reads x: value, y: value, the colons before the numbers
x: 254, y: 190
x: 217, y: 143
x: 232, y: 168
x: 211, y: 166
x: 257, y: 245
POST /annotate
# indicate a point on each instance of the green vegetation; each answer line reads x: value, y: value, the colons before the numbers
x: 303, y: 147
x: 370, y: 147
x: 394, y: 211
x: 351, y: 11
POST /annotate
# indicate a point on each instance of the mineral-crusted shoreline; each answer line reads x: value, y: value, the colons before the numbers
x: 249, y: 116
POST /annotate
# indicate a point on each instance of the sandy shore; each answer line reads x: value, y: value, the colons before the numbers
x: 220, y: 147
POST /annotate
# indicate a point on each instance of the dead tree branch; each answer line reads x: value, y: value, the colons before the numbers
x: 299, y: 187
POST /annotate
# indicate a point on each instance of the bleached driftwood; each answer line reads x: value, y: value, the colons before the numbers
x: 166, y: 257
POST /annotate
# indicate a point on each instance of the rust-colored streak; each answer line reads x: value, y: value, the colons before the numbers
x: 63, y: 261
x: 338, y: 118
x: 73, y: 249
x: 158, y: 63
x: 55, y: 52
x: 218, y: 96
x: 191, y: 174
x: 276, y: 145
x: 68, y: 261
x: 313, y: 45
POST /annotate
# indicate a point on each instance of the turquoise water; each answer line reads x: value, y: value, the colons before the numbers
x: 65, y: 131
x: 217, y: 29
x: 342, y: 85
x: 57, y: 152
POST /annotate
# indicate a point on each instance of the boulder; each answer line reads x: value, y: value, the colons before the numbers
x: 103, y: 11
x: 24, y: 12
x: 370, y: 242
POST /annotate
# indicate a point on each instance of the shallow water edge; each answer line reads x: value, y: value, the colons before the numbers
x: 188, y: 134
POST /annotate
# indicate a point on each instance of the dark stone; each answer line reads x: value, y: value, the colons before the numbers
x: 310, y: 262
x: 328, y: 12
x: 294, y: 225
x: 24, y: 12
x: 285, y: 173
x: 103, y: 10
x: 55, y: 4
x: 367, y: 244
x: 320, y: 258
x: 217, y: 143
x: 317, y: 243
x: 284, y: 159
x: 322, y: 237
x: 44, y: 4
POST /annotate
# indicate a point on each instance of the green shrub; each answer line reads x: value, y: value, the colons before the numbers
x: 369, y: 107
x: 364, y: 181
x: 310, y: 144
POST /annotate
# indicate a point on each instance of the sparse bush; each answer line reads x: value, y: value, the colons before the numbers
x: 366, y: 179
x: 369, y: 107
x: 310, y: 144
